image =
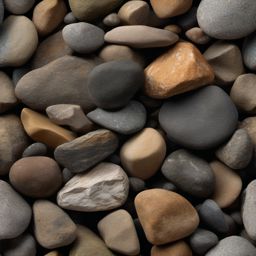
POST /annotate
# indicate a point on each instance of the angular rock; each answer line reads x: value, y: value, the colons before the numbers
x: 18, y: 7
x: 248, y: 52
x: 35, y: 149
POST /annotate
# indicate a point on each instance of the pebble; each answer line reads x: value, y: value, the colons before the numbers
x: 84, y: 152
x: 59, y: 82
x: 83, y: 37
x: 53, y: 227
x: 188, y: 20
x: 249, y: 124
x: 18, y: 7
x: 41, y: 129
x: 237, y: 152
x: 119, y: 234
x: 13, y: 29
x: 53, y: 253
x: 248, y: 52
x: 70, y: 18
x: 36, y: 176
x: 166, y: 224
x: 127, y: 120
x: 233, y: 246
x: 174, y: 73
x: 66, y: 175
x: 111, y: 85
x: 48, y: 15
x: 112, y: 20
x: 18, y: 73
x: 1, y: 11
x: 143, y: 154
x: 14, y: 211
x: 226, y: 61
x: 136, y: 185
x: 70, y: 115
x: 189, y: 173
x: 164, y: 184
x: 35, y: 149
x: 197, y: 36
x: 103, y: 188
x: 210, y: 113
x: 141, y: 36
x: 173, y: 28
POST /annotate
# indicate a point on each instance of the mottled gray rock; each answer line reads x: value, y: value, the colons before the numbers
x: 18, y: 7
x: 249, y: 52
x: 35, y: 149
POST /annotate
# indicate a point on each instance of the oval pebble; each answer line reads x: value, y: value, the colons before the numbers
x: 18, y: 7
x: 249, y: 55
x: 35, y: 149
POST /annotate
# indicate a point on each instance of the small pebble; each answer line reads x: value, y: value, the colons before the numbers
x: 70, y: 18
x: 173, y: 28
x: 248, y: 51
x: 35, y: 149
x: 188, y: 20
x: 112, y: 20
x: 66, y: 175
x: 136, y: 185
x: 197, y: 36
x: 18, y: 7
x: 249, y: 124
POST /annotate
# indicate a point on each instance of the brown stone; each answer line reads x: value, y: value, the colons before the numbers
x: 249, y: 124
x: 173, y: 28
x: 41, y: 129
x: 165, y: 216
x: 197, y: 36
x: 180, y: 69
x: 53, y: 253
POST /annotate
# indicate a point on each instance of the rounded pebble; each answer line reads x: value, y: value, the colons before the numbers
x: 249, y: 55
x: 18, y: 7
x: 35, y: 149
x: 112, y: 20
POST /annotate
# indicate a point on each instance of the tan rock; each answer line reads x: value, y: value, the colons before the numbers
x: 173, y: 28
x: 228, y: 184
x: 41, y: 129
x: 249, y: 124
x: 53, y: 253
x: 143, y: 154
x: 165, y: 216
x: 197, y: 36
x: 182, y: 68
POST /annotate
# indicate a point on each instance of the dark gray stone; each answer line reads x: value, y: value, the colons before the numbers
x: 66, y: 175
x: 249, y: 52
x: 136, y: 184
x: 70, y: 18
x: 188, y: 20
x: 1, y: 11
x: 35, y: 149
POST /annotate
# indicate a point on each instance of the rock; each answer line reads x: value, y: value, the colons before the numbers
x: 248, y: 52
x: 83, y: 37
x: 127, y: 120
x: 233, y: 246
x: 237, y: 152
x: 42, y: 88
x: 41, y: 129
x: 13, y: 141
x: 52, y: 226
x: 249, y: 124
x: 219, y: 19
x: 173, y: 28
x: 136, y: 185
x: 70, y: 115
x: 1, y: 11
x: 226, y: 61
x: 18, y: 73
x: 84, y: 152
x: 170, y: 8
x: 103, y: 188
x: 197, y: 36
x: 186, y: 73
x: 14, y: 211
x: 202, y: 240
x: 188, y: 20
x: 111, y: 20
x: 189, y: 173
x: 143, y: 154
x: 23, y: 245
x: 204, y: 111
x: 164, y: 184
x: 174, y: 217
x: 35, y: 149
x: 118, y: 232
x: 88, y: 242
x: 53, y: 253
x: 19, y: 7
x: 48, y: 15
x: 141, y: 36
x: 7, y: 97
x: 111, y: 85
x: 13, y: 29
x: 70, y: 18
x: 66, y: 175
x: 36, y: 176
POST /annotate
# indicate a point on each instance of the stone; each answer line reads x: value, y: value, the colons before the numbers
x: 59, y: 82
x: 70, y: 18
x: 83, y: 37
x: 248, y: 52
x: 14, y: 211
x: 88, y: 242
x: 226, y: 61
x: 170, y: 8
x: 136, y: 185
x: 18, y: 73
x: 119, y: 234
x: 188, y: 20
x: 112, y: 20
x: 197, y: 36
x: 127, y: 120
x: 13, y: 141
x: 53, y: 253
x: 189, y: 173
x: 174, y: 217
x: 35, y: 149
x: 18, y: 7
x: 70, y: 115
x: 105, y: 187
x: 202, y: 240
x: 219, y: 19
x: 163, y: 183
x: 41, y: 129
x: 23, y: 245
x: 48, y: 15
x: 141, y: 36
x: 174, y: 73
x: 84, y: 152
x: 66, y: 175
x: 233, y: 246
x: 210, y: 113
x: 1, y: 11
x: 173, y: 28
x: 111, y: 85
x: 237, y: 152
x: 53, y: 227
x: 249, y: 124
x: 36, y: 176
x: 143, y: 154
x: 13, y: 29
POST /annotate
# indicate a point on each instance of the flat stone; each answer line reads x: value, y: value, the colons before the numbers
x: 35, y: 149
x: 141, y: 36
x: 143, y: 154
x: 14, y: 211
x: 53, y: 227
x: 18, y: 7
x: 205, y: 111
x: 103, y: 188
x: 249, y: 124
x: 174, y: 217
x: 84, y: 152
x: 174, y: 73
x: 197, y: 36
x: 248, y: 52
x: 41, y: 129
x: 111, y: 20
